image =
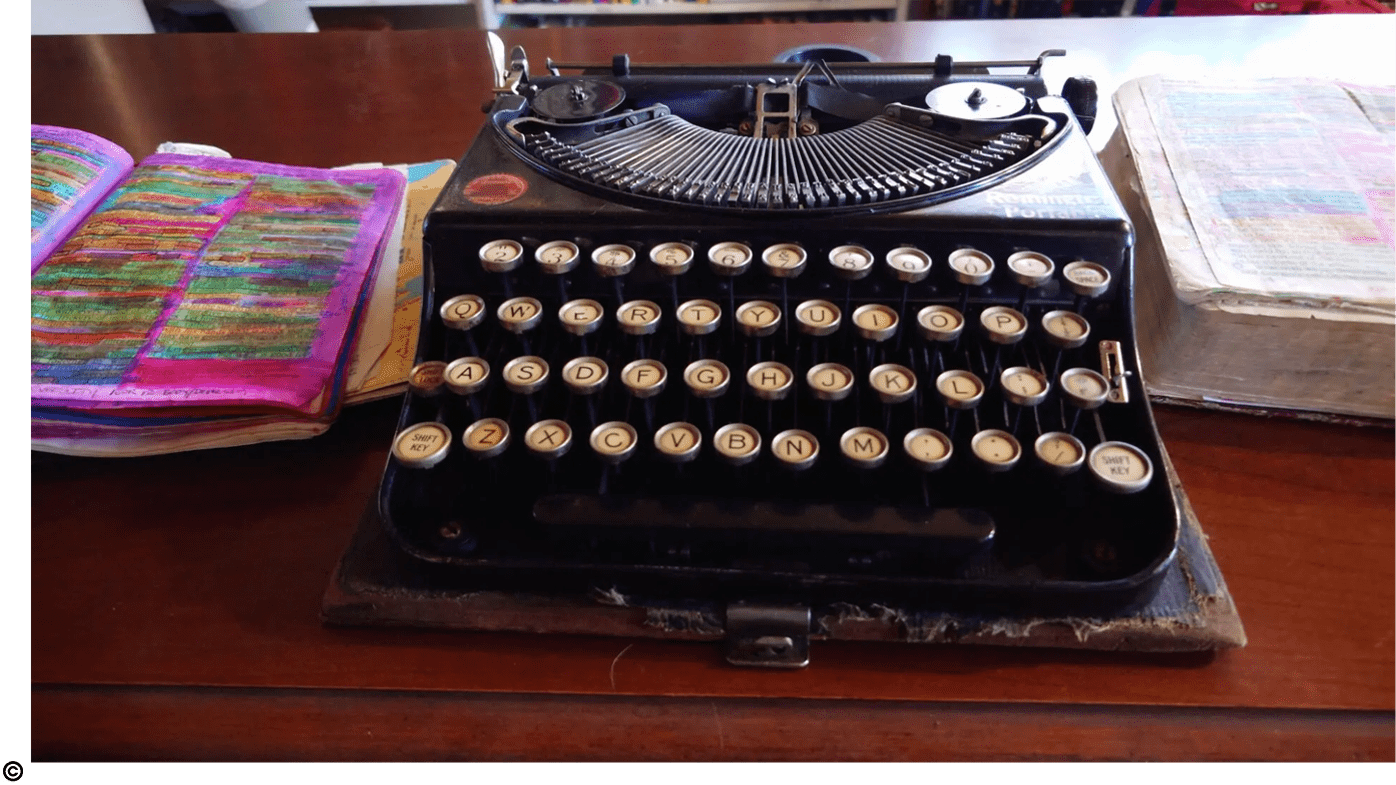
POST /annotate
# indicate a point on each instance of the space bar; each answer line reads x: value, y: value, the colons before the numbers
x: 962, y: 524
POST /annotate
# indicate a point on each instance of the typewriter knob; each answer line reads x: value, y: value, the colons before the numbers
x: 829, y: 381
x: 486, y: 438
x: 863, y: 447
x: 707, y: 378
x: 580, y: 317
x: 851, y: 262
x: 971, y: 267
x: 613, y: 260
x: 678, y: 442
x: 730, y: 259
x: 998, y: 450
x: 467, y: 375
x: 1086, y: 279
x: 928, y: 449
x: 818, y: 317
x: 500, y: 256
x: 758, y: 318
x: 940, y: 323
x: 549, y: 439
x: 1060, y: 452
x: 1082, y: 96
x: 525, y: 375
x: 908, y: 264
x: 1003, y: 325
x: 672, y: 258
x: 1084, y: 388
x: 770, y: 381
x: 557, y: 257
x: 960, y: 389
x: 613, y: 442
x: 737, y: 443
x: 699, y: 317
x: 427, y: 379
x: 520, y: 314
x: 1024, y: 386
x: 422, y: 446
x: 1031, y: 269
x: 585, y: 375
x: 463, y: 312
x: 893, y: 383
x: 638, y: 317
x: 1066, y: 329
x: 795, y: 449
x: 875, y: 321
x: 784, y: 260
x: 1120, y: 467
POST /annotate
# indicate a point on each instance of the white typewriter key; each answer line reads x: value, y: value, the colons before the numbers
x: 707, y: 378
x: 672, y: 258
x: 758, y: 318
x: 729, y: 258
x: 613, y: 442
x: 1024, y: 386
x: 864, y: 448
x: 500, y: 256
x: 467, y: 375
x: 784, y: 260
x: 585, y: 375
x: 699, y: 317
x: 1003, y: 325
x: 638, y: 317
x: 795, y: 449
x: 525, y: 375
x: 928, y: 449
x: 960, y: 389
x: 998, y: 450
x: 1066, y: 329
x: 818, y: 317
x: 520, y: 314
x: 1086, y: 279
x: 644, y: 378
x: 427, y: 379
x: 1120, y: 467
x: 486, y: 438
x: 678, y: 442
x: 548, y: 439
x: 908, y: 264
x: 580, y: 317
x: 851, y: 262
x: 737, y: 443
x: 423, y: 445
x: 971, y: 267
x: 1031, y: 269
x: 770, y: 381
x: 1060, y: 452
x: 940, y: 323
x: 557, y: 257
x: 875, y: 321
x: 1084, y: 388
x: 893, y: 383
x: 613, y: 260
x: 829, y: 381
x: 463, y: 312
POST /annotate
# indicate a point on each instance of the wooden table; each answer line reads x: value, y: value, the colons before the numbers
x: 176, y: 599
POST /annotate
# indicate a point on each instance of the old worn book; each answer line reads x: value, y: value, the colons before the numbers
x: 1265, y: 264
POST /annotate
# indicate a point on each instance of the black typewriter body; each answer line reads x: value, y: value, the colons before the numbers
x: 914, y: 488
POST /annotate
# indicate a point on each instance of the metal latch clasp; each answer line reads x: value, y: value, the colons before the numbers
x: 768, y: 636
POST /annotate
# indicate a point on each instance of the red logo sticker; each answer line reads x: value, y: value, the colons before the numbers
x: 494, y: 189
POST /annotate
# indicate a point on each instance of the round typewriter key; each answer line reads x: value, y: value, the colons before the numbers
x: 613, y: 442
x: 785, y: 260
x: 463, y: 312
x: 1060, y: 452
x: 678, y: 442
x: 707, y: 378
x: 467, y: 375
x: 737, y: 443
x: 864, y: 448
x: 893, y: 383
x: 909, y: 264
x: 729, y: 258
x: 928, y: 449
x: 1024, y: 386
x: 525, y: 375
x: 585, y: 375
x: 672, y: 258
x: 1084, y: 388
x: 613, y: 260
x: 851, y: 262
x: 699, y: 317
x: 486, y: 438
x: 818, y: 317
x: 580, y: 317
x: 644, y: 378
x: 1003, y: 325
x: 971, y: 267
x: 795, y: 449
x: 549, y: 439
x: 998, y: 450
x: 638, y: 317
x: 1031, y: 269
x: 1086, y: 279
x: 1120, y: 467
x: 557, y: 257
x: 1066, y: 329
x: 940, y: 323
x: 960, y: 389
x: 423, y: 445
x: 770, y: 381
x: 427, y: 379
x: 758, y: 318
x: 520, y: 314
x: 500, y: 256
x: 875, y: 321
x: 829, y: 381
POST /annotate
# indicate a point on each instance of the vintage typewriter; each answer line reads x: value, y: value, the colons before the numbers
x: 784, y: 335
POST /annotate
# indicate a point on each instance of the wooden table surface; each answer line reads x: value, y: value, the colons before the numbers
x: 176, y: 598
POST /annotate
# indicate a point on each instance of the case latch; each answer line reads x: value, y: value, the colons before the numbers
x: 768, y: 636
